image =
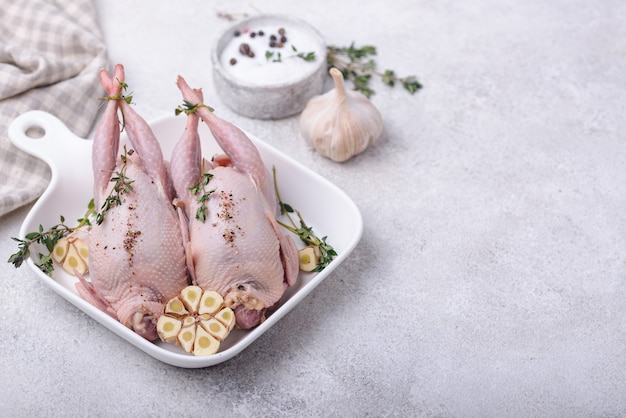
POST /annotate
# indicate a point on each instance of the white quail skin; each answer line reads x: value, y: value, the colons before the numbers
x: 137, y: 260
x: 239, y: 250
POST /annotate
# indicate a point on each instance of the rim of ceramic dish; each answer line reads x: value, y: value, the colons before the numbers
x: 229, y: 33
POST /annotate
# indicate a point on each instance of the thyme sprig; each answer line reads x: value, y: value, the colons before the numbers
x: 48, y: 238
x: 123, y: 185
x: 358, y: 66
x: 278, y: 57
x: 127, y: 98
x: 305, y: 232
x: 188, y: 107
x: 199, y: 190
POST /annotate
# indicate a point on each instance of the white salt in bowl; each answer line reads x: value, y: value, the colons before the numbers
x: 272, y: 81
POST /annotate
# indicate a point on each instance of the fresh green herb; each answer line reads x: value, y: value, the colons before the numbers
x: 188, y: 107
x: 127, y: 98
x: 357, y: 66
x: 277, y: 57
x: 48, y: 238
x: 269, y: 55
x: 204, y: 195
x: 123, y: 185
x: 308, y: 57
x: 86, y: 219
x: 305, y: 232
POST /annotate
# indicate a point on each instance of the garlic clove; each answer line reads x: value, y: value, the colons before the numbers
x: 210, y: 302
x: 204, y: 343
x: 168, y: 328
x: 60, y: 250
x: 341, y: 123
x: 309, y: 257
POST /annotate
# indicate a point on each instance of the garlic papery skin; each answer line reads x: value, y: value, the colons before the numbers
x: 341, y: 123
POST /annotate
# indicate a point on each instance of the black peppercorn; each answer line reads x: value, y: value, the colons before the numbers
x: 233, y: 61
x: 261, y: 33
x: 244, y: 49
x: 283, y: 39
x: 237, y: 33
x: 252, y: 34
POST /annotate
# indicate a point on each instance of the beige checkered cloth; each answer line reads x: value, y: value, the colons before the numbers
x: 50, y: 54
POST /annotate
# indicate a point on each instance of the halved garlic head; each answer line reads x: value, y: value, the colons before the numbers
x: 72, y: 253
x: 196, y: 320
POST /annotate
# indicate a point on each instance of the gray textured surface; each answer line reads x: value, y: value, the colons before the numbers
x: 491, y: 275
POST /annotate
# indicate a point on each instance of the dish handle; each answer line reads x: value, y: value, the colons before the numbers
x: 44, y: 136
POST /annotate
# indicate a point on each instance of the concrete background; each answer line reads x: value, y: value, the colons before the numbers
x: 491, y: 276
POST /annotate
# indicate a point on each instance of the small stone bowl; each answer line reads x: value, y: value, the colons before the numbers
x: 269, y: 98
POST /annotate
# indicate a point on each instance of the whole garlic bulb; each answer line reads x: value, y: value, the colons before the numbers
x: 341, y: 123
